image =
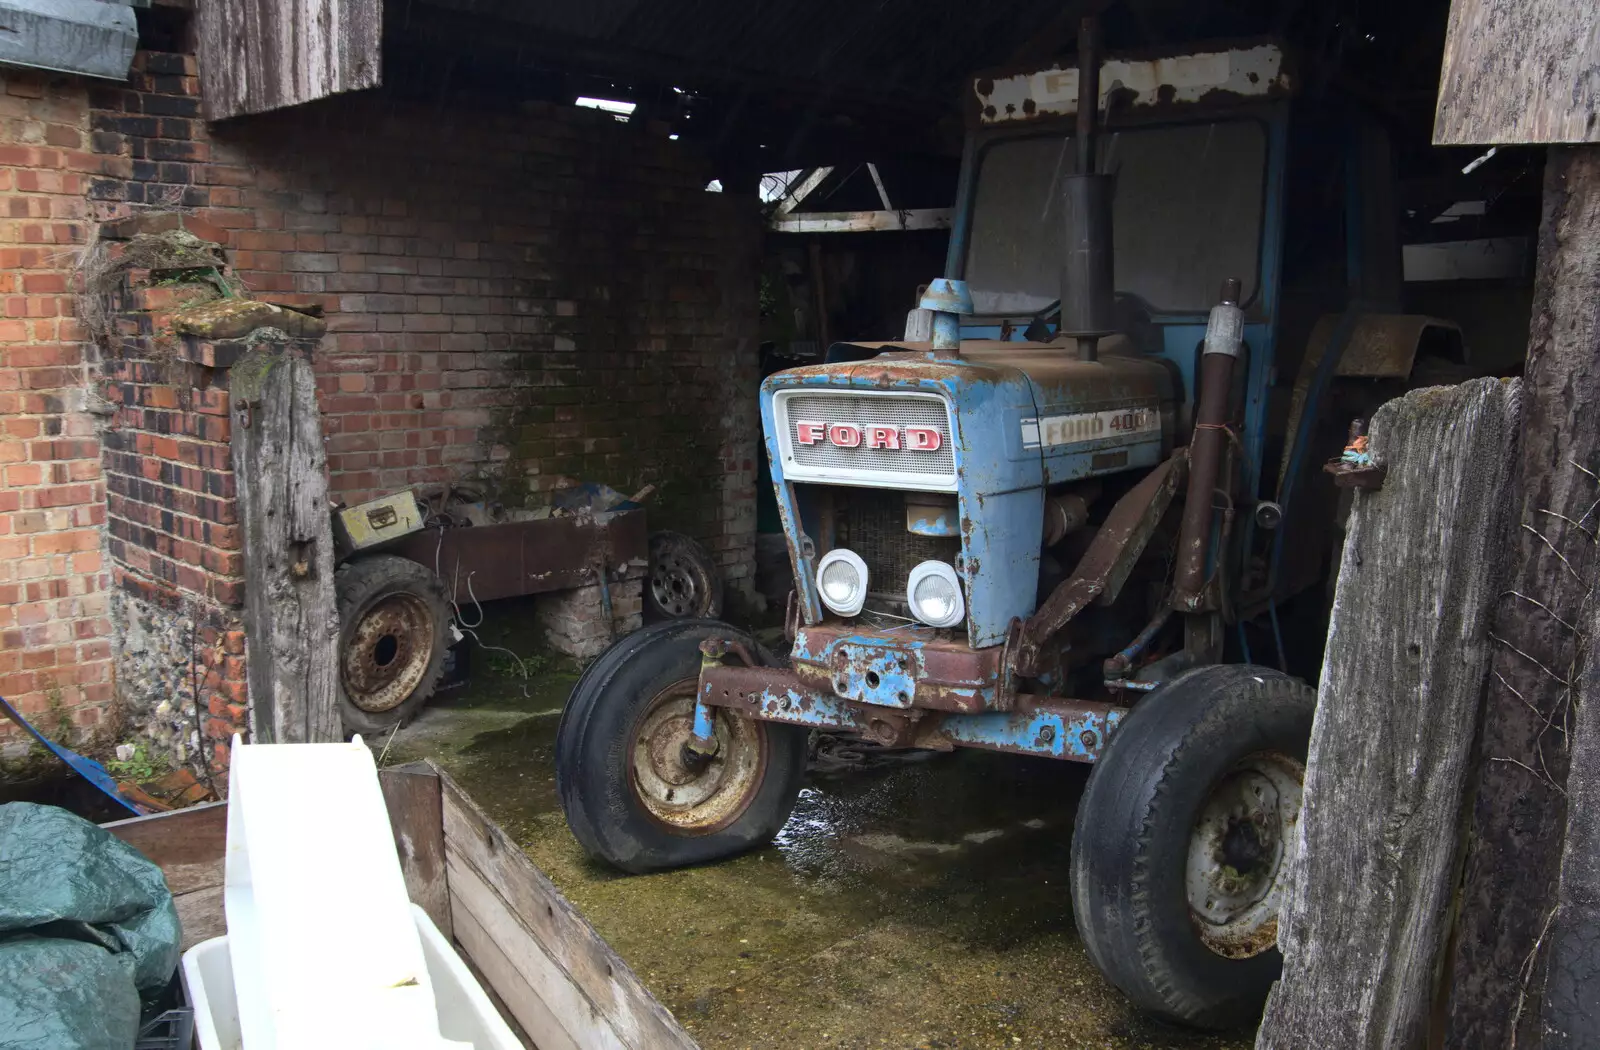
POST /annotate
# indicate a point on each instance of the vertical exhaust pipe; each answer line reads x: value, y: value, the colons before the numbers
x: 1224, y: 336
x: 1087, y: 273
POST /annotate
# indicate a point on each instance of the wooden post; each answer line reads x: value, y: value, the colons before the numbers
x: 1509, y: 914
x: 1569, y: 268
x: 1397, y: 710
x: 291, y: 620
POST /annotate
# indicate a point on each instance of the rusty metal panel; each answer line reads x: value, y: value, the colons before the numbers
x: 1208, y: 77
x: 485, y: 562
x: 257, y: 55
x: 1104, y: 567
x: 898, y: 670
x: 1380, y: 345
x: 1519, y: 72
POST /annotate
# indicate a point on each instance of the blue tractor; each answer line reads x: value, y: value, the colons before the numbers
x: 1038, y: 524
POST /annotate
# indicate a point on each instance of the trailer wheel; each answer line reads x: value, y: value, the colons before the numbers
x: 394, y: 621
x: 1183, y: 839
x: 629, y: 797
x: 683, y: 582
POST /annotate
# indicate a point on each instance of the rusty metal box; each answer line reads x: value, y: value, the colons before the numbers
x: 376, y: 521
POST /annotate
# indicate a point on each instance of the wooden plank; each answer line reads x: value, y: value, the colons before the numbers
x: 290, y: 615
x: 1571, y: 1014
x: 474, y: 842
x: 1519, y: 71
x: 1567, y: 329
x: 257, y: 55
x: 187, y: 844
x: 1379, y: 842
x: 201, y: 915
x: 190, y: 847
x: 1520, y: 808
x: 861, y: 221
x: 415, y: 815
x: 549, y: 1007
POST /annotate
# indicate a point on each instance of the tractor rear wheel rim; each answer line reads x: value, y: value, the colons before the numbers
x: 701, y: 798
x: 1239, y: 852
x: 674, y: 585
x: 388, y: 652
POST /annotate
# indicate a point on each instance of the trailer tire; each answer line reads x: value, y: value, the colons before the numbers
x: 616, y: 744
x: 394, y: 628
x: 682, y: 582
x: 1183, y: 840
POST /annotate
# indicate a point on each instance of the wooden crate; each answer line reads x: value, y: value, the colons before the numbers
x: 545, y: 966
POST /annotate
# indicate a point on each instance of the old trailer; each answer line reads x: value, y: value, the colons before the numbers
x: 545, y: 967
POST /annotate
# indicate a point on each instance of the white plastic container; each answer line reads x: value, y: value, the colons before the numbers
x: 465, y: 1012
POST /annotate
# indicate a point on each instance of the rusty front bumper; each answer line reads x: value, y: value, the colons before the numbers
x: 906, y: 693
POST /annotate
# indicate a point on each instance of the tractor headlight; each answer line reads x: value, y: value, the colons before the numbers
x: 842, y: 581
x: 934, y: 592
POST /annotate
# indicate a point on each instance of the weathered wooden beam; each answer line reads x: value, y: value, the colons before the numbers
x: 1570, y: 263
x: 416, y: 816
x: 1519, y: 71
x: 291, y: 619
x: 562, y: 982
x: 257, y: 55
x: 1520, y: 814
x: 861, y: 221
x: 1378, y: 848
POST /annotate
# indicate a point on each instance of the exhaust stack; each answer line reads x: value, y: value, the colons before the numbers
x: 1087, y: 272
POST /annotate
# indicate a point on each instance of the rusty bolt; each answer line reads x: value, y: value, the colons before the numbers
x: 714, y: 648
x: 1088, y: 738
x: 1047, y: 735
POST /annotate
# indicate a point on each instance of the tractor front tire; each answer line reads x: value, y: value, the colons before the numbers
x: 1181, y: 848
x: 629, y: 796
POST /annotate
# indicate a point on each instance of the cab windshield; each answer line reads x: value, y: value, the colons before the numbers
x: 1187, y: 213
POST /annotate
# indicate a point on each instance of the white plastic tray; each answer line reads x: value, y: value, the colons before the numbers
x: 465, y: 1012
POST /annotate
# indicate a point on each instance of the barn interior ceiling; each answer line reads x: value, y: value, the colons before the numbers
x: 785, y: 84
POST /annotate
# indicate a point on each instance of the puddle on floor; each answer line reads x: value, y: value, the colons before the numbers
x: 916, y: 904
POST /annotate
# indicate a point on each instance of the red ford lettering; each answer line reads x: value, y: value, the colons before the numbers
x: 845, y: 435
x: 883, y: 437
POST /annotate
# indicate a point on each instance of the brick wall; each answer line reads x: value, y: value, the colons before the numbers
x: 527, y: 295
x: 55, y: 649
x: 173, y: 533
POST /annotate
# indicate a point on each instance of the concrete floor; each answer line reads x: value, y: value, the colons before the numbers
x: 917, y: 904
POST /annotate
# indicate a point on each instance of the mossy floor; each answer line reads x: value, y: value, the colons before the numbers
x: 920, y: 904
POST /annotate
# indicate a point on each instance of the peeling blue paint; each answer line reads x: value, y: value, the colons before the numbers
x: 1077, y: 737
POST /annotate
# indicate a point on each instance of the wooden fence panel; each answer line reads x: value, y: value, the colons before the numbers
x: 1379, y: 841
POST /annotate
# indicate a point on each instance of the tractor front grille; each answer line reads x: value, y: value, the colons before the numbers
x: 873, y: 524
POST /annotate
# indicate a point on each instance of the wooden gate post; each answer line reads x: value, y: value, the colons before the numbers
x: 1378, y: 847
x: 1542, y: 650
x: 291, y: 619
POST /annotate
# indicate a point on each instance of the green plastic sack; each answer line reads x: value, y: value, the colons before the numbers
x: 87, y: 931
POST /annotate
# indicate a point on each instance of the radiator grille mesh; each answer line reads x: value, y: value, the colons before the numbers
x: 873, y: 524
x: 862, y: 411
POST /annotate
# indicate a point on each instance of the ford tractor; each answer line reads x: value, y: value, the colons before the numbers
x: 1040, y: 524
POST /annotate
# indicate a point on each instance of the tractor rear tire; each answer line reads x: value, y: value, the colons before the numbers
x: 629, y: 798
x: 1183, y: 840
x: 394, y: 628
